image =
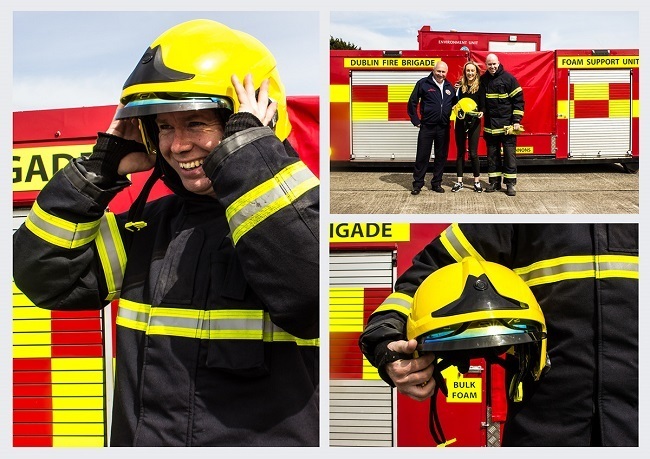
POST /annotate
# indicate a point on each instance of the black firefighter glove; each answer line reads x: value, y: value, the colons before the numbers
x: 101, y: 166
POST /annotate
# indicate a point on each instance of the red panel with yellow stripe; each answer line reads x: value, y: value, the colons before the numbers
x: 58, y: 376
x: 350, y: 307
x: 598, y: 99
x: 377, y: 102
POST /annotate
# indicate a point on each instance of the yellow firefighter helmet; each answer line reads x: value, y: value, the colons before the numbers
x: 477, y: 309
x: 472, y: 306
x: 189, y: 67
x: 465, y: 106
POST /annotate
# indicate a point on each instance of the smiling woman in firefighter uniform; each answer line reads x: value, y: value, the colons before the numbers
x: 585, y: 279
x: 217, y: 324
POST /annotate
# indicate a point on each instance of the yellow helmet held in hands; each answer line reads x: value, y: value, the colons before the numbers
x: 189, y: 67
x: 473, y: 306
x: 477, y: 309
x: 465, y: 106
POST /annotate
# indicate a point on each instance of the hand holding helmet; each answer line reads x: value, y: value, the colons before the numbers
x: 138, y: 160
x: 412, y: 377
x: 257, y: 105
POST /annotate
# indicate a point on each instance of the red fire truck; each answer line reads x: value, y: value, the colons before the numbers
x: 365, y: 260
x: 582, y: 106
x: 62, y: 361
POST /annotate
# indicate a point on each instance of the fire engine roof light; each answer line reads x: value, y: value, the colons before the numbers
x: 392, y: 53
x: 600, y: 52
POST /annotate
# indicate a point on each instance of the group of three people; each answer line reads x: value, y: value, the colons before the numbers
x: 499, y: 101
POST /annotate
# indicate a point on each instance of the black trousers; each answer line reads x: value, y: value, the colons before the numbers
x: 498, y: 167
x: 467, y: 132
x: 436, y: 136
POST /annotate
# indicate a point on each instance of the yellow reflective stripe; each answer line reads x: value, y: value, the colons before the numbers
x: 580, y: 267
x: 495, y: 174
x: 273, y: 333
x: 509, y: 175
x: 111, y: 254
x: 269, y: 197
x: 518, y: 112
x: 495, y: 131
x: 396, y: 301
x: 133, y: 315
x: 515, y: 91
x: 58, y: 231
x: 496, y: 96
x: 213, y: 324
x: 204, y: 324
x: 457, y: 244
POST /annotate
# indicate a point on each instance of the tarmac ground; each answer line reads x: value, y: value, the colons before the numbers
x: 556, y: 189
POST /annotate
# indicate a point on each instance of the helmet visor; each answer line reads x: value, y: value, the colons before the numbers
x: 152, y: 104
x: 481, y: 334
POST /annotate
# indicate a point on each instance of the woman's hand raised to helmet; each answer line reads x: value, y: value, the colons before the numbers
x: 257, y: 105
x: 412, y: 377
x: 136, y: 161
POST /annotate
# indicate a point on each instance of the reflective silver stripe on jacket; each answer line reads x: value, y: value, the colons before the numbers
x: 396, y: 301
x: 58, y: 231
x: 269, y: 197
x: 578, y: 267
x: 111, y: 254
x: 457, y: 244
x: 204, y: 324
x: 554, y: 269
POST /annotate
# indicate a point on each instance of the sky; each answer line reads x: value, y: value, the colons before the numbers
x: 559, y: 30
x: 74, y: 59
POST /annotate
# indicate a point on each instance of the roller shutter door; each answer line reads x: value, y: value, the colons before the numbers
x: 381, y: 129
x: 362, y: 406
x: 600, y: 118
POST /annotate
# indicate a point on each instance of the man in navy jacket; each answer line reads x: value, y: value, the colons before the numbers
x: 436, y: 96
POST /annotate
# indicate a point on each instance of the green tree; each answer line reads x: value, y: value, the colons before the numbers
x: 338, y: 43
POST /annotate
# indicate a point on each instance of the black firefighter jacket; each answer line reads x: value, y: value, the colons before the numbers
x: 585, y: 278
x: 504, y: 101
x: 435, y: 107
x: 217, y: 325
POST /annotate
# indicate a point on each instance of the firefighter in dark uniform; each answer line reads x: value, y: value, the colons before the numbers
x: 217, y: 322
x: 585, y: 278
x: 436, y: 97
x: 504, y: 109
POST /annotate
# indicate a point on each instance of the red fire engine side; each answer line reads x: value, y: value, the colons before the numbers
x: 581, y: 106
x: 365, y: 260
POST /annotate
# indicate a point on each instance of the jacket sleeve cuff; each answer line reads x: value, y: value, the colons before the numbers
x: 78, y: 176
x: 102, y: 165
x: 384, y: 356
x: 240, y: 122
x: 230, y: 146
